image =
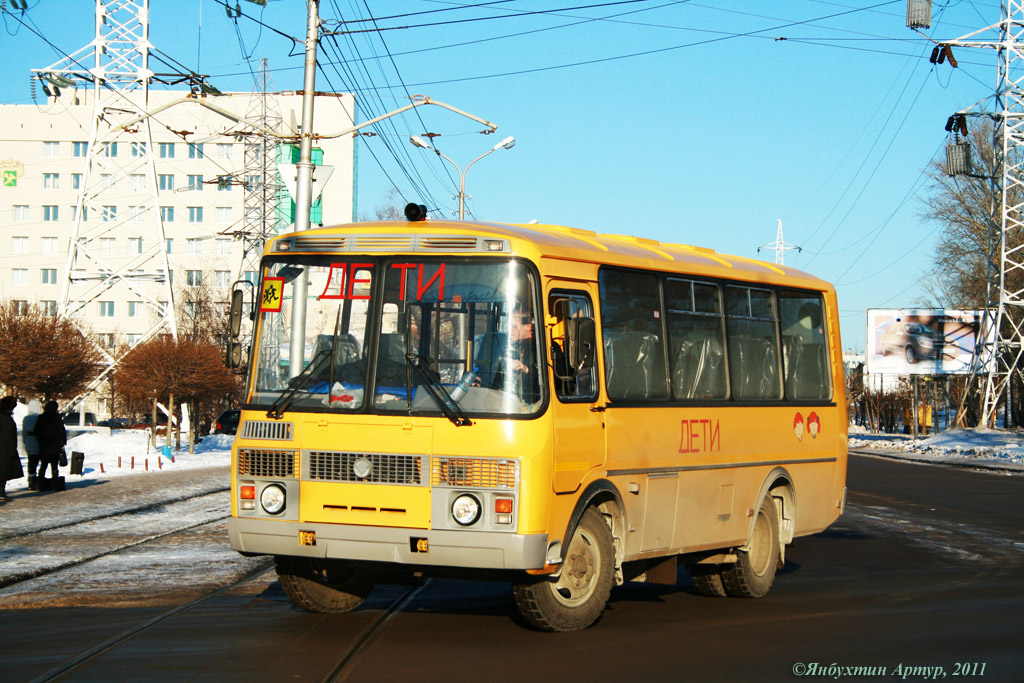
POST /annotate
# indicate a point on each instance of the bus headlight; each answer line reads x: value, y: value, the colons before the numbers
x: 466, y: 509
x: 272, y: 499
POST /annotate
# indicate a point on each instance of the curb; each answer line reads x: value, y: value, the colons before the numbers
x: 921, y: 459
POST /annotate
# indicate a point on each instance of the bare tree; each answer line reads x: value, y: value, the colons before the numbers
x: 390, y: 209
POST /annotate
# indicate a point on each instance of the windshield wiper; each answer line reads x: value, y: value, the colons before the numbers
x: 276, y: 411
x: 440, y: 395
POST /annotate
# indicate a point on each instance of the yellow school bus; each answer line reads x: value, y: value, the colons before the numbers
x: 543, y: 405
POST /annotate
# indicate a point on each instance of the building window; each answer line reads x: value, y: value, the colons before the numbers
x: 76, y: 181
x: 223, y: 246
x: 48, y: 245
x: 20, y: 213
x: 195, y: 182
x: 251, y: 276
x: 194, y: 278
x: 107, y: 339
x: 49, y: 307
x: 109, y: 149
x: 223, y: 215
x: 138, y: 149
x: 20, y: 307
x: 195, y: 151
x: 170, y: 245
x: 109, y: 213
x: 224, y: 150
x: 19, y: 245
x: 133, y: 339
x: 107, y: 245
x: 79, y: 149
x: 192, y: 309
x: 222, y: 278
x: 166, y: 150
x: 135, y: 213
x: 134, y: 245
x: 167, y: 214
x: 51, y: 150
x: 19, y: 276
x: 49, y: 276
x: 49, y: 214
x: 165, y: 181
x: 137, y: 181
x: 51, y: 181
x: 106, y: 181
x: 195, y: 214
x: 85, y: 213
x: 224, y: 183
x: 106, y: 309
x: 193, y: 246
x: 134, y: 309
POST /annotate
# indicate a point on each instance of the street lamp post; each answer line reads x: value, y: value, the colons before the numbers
x: 507, y: 143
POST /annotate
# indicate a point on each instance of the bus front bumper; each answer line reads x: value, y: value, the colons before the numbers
x: 439, y: 548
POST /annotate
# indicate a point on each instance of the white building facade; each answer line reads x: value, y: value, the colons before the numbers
x: 199, y: 159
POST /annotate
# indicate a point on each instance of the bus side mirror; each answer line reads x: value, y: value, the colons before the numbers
x: 234, y: 359
x: 235, y: 316
x: 580, y: 342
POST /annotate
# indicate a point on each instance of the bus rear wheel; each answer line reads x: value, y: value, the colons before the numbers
x: 754, y: 571
x: 322, y: 586
x: 707, y: 578
x: 576, y: 597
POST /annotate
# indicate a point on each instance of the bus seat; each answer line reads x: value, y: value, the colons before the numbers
x: 754, y: 367
x: 804, y: 372
x: 629, y: 365
x: 698, y: 368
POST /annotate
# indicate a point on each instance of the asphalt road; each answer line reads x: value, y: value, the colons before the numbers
x: 921, y: 579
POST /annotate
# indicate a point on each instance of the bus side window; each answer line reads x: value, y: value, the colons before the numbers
x: 696, y: 347
x: 753, y: 346
x: 804, y: 348
x: 634, y: 344
x: 570, y: 384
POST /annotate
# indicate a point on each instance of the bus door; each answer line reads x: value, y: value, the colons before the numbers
x: 578, y: 425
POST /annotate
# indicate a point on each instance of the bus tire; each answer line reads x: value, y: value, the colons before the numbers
x: 322, y: 586
x: 576, y: 597
x: 752, y: 574
x: 707, y: 578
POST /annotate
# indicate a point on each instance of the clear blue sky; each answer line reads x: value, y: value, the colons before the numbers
x: 696, y: 122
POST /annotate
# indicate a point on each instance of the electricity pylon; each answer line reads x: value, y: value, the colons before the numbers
x: 998, y: 352
x: 116, y: 160
x: 779, y: 246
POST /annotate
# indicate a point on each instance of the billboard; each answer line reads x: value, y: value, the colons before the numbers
x: 921, y: 341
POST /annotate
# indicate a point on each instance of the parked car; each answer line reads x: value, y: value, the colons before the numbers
x: 147, y: 423
x: 73, y: 419
x: 227, y: 423
x: 116, y: 423
x: 914, y: 340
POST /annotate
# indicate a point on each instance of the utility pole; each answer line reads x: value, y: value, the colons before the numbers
x: 1000, y: 345
x: 779, y: 246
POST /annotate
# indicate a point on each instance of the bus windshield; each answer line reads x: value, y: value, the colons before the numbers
x: 399, y: 335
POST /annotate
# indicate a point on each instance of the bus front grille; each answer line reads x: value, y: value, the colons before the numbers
x: 267, y: 431
x: 482, y: 473
x: 366, y: 468
x: 261, y: 462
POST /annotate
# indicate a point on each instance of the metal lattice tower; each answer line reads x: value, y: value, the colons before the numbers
x: 998, y: 353
x: 263, y: 187
x: 779, y: 246
x: 116, y: 64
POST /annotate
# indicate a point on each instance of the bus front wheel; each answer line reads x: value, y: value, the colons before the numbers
x: 575, y: 598
x: 322, y: 586
x: 754, y: 571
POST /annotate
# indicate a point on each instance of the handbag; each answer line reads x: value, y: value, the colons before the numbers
x: 63, y: 458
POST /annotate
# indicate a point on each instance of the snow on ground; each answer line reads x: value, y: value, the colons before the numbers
x: 1003, y: 448
x: 112, y: 455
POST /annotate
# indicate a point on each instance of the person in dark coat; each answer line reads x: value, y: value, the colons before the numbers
x: 10, y: 461
x: 52, y: 436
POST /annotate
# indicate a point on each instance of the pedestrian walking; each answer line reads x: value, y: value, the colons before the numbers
x: 10, y: 461
x: 28, y: 440
x: 51, y: 436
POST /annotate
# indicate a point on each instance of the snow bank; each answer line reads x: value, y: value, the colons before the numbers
x: 981, y: 446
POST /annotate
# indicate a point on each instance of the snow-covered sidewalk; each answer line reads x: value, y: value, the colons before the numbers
x: 995, y: 449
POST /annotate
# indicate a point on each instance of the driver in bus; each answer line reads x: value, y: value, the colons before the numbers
x: 517, y: 366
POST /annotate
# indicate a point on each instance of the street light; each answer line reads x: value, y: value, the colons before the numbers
x: 507, y: 143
